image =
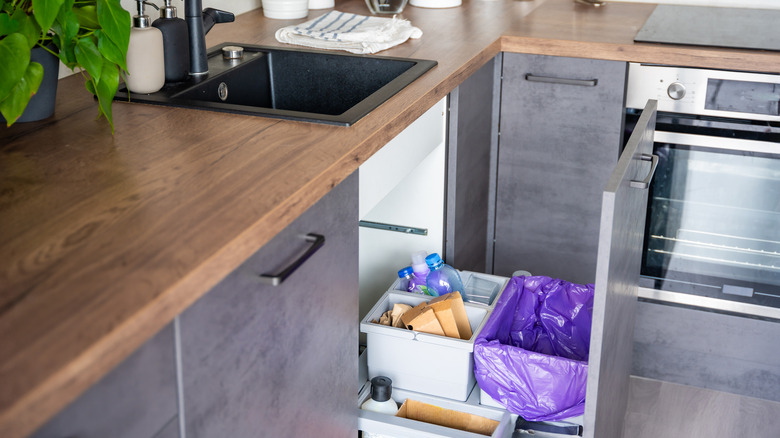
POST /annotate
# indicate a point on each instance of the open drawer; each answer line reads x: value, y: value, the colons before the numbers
x: 398, y: 427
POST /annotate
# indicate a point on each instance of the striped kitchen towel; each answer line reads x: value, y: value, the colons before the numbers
x: 353, y: 33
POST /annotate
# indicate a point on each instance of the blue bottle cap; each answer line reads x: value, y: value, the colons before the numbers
x: 433, y: 260
x: 405, y: 271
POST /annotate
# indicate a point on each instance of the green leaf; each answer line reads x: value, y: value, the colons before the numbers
x: 110, y: 51
x: 46, y: 11
x: 87, y: 16
x: 7, y: 6
x: 27, y: 27
x: 16, y: 57
x: 89, y: 57
x: 66, y: 29
x: 7, y: 25
x: 115, y: 23
x: 17, y: 101
x: 90, y: 86
x: 106, y: 89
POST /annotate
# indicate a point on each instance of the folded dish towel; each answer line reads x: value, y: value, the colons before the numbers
x: 353, y: 33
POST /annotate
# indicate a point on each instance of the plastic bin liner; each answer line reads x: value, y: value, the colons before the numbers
x: 532, y: 354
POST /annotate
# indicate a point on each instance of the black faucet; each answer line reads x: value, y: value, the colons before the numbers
x: 198, y: 24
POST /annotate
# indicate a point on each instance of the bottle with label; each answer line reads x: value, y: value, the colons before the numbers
x: 380, y: 401
x: 176, y: 44
x: 413, y: 284
x: 443, y: 278
x: 145, y: 56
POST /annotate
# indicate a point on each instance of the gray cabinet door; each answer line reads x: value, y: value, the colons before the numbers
x: 470, y: 140
x: 561, y: 129
x: 621, y: 233
x: 261, y: 360
x: 135, y: 400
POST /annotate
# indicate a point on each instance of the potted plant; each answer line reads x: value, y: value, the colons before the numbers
x: 89, y: 35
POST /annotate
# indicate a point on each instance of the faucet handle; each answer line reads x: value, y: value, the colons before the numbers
x: 213, y: 16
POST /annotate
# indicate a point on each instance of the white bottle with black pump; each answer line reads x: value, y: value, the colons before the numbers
x: 145, y: 56
x: 380, y: 401
x: 176, y: 43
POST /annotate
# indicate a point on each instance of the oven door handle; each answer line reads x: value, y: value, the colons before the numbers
x: 714, y: 142
x: 645, y: 183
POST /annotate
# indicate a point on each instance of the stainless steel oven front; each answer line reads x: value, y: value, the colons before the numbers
x: 712, y: 237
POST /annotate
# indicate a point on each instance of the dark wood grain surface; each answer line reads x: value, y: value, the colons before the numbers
x: 104, y: 239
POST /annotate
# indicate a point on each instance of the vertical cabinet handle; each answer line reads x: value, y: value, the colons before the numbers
x: 565, y: 81
x: 645, y: 183
x: 317, y: 241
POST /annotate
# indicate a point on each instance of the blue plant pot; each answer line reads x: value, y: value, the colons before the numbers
x: 41, y: 105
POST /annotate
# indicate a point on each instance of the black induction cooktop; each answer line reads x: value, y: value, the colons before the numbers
x: 738, y: 28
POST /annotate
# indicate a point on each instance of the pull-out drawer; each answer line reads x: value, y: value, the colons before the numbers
x: 398, y: 427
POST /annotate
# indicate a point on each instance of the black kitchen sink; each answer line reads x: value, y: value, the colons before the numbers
x: 289, y: 83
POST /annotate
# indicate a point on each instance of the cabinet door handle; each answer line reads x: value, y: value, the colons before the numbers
x: 317, y: 241
x: 645, y: 183
x: 564, y: 81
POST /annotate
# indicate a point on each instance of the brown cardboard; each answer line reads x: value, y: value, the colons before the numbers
x: 443, y: 312
x: 419, y: 411
x: 452, y: 315
x: 392, y: 317
x: 423, y: 319
x: 395, y: 315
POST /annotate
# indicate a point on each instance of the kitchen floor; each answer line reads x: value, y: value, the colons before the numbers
x: 657, y: 408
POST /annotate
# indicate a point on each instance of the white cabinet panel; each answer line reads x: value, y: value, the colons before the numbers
x: 417, y: 201
x: 389, y: 166
x: 402, y: 185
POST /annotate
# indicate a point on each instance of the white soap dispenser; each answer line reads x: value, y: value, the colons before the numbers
x: 145, y: 55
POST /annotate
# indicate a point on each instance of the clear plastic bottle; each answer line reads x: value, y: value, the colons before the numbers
x: 421, y: 271
x: 443, y: 278
x: 413, y: 284
x: 380, y: 401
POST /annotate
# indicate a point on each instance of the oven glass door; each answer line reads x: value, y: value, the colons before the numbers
x: 713, y: 217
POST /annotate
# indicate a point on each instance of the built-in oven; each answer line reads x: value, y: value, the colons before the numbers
x: 712, y: 236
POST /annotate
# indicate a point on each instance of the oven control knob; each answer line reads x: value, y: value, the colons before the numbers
x: 676, y: 91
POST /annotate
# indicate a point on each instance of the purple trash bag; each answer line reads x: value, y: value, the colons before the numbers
x: 532, y: 354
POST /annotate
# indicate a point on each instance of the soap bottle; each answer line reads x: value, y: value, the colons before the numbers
x: 145, y: 57
x: 176, y: 45
x: 380, y: 401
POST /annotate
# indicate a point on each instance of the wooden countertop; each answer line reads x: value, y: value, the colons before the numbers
x: 105, y: 239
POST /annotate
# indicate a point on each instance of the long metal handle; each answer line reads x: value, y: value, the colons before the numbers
x: 645, y: 183
x: 708, y: 141
x: 317, y: 241
x: 564, y: 81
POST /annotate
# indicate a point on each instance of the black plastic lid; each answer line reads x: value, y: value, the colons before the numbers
x: 381, y: 388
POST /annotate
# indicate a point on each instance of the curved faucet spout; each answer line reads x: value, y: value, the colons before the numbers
x: 195, y: 17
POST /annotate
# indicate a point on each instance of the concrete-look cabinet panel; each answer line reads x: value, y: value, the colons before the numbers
x: 617, y: 282
x: 708, y: 350
x: 262, y: 360
x: 470, y: 172
x: 561, y: 129
x: 135, y: 400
